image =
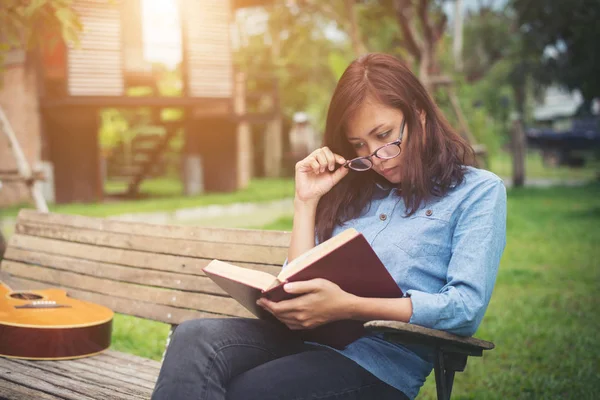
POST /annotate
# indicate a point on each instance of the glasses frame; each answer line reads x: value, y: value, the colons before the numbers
x: 396, y: 142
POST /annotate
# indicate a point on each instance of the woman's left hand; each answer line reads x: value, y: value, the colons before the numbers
x: 321, y: 301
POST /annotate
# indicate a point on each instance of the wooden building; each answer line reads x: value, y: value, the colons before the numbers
x: 73, y: 83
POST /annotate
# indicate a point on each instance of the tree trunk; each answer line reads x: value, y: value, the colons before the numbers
x: 357, y: 44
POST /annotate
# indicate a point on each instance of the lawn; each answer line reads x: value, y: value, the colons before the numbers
x: 543, y: 314
x: 166, y: 197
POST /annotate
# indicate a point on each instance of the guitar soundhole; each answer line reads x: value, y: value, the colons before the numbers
x: 25, y: 296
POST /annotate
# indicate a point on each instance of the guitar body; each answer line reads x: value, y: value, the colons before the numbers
x: 49, y: 325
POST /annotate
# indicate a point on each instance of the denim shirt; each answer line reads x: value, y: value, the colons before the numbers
x: 445, y: 257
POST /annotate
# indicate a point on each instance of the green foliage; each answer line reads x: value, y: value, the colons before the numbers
x: 306, y: 60
x: 114, y: 128
x: 315, y: 49
x: 25, y: 24
x: 570, y: 29
x: 489, y: 38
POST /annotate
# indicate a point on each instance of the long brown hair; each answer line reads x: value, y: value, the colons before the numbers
x: 433, y: 158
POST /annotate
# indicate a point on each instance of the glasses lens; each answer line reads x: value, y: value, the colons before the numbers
x: 388, y: 151
x: 361, y: 164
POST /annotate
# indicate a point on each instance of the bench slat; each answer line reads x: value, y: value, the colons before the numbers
x: 223, y: 235
x: 14, y: 391
x: 131, y: 382
x: 122, y: 368
x: 190, y: 248
x: 46, y: 383
x: 136, y: 308
x: 170, y: 280
x: 131, y: 258
x: 146, y: 366
x: 159, y: 296
x: 146, y: 363
x: 117, y: 382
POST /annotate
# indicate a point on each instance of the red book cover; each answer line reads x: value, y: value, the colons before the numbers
x: 347, y: 260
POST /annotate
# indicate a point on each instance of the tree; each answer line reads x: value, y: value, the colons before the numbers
x: 422, y: 40
x: 563, y: 34
x: 24, y: 24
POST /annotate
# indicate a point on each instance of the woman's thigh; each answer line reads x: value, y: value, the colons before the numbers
x: 317, y: 373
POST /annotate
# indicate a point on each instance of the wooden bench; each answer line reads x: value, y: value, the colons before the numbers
x: 152, y: 272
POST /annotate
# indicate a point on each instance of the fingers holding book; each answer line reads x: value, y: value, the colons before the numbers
x: 320, y: 301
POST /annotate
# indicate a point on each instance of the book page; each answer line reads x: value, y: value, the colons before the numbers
x: 316, y: 252
x: 257, y: 279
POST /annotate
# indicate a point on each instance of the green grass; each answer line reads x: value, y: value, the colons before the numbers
x: 139, y: 336
x: 258, y: 190
x: 154, y: 187
x: 543, y: 314
x: 501, y: 165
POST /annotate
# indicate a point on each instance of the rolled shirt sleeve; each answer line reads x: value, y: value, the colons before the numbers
x: 477, y: 244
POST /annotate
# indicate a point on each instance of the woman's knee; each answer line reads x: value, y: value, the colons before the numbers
x: 198, y: 329
x: 212, y: 330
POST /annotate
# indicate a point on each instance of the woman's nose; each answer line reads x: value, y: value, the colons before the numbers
x: 376, y: 161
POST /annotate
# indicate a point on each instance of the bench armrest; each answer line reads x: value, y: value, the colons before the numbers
x: 409, y: 333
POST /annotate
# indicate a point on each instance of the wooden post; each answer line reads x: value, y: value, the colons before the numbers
x: 273, y: 143
x: 518, y: 146
x: 216, y: 138
x: 23, y: 167
x: 192, y: 171
x: 244, y: 134
x: 457, y: 40
x: 75, y: 154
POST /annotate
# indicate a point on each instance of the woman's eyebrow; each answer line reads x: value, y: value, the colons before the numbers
x: 368, y: 134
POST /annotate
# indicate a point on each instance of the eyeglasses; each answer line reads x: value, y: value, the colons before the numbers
x: 385, y: 152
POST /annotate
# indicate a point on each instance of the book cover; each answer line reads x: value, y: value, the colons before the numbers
x: 347, y: 260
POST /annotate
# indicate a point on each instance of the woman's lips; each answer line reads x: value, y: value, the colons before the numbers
x: 388, y: 171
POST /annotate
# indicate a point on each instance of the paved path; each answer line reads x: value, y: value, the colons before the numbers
x: 239, y: 215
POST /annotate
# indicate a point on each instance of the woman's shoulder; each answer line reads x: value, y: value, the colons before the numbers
x: 480, y: 177
x: 477, y: 185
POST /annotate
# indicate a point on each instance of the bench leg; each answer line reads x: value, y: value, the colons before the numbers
x: 444, y: 378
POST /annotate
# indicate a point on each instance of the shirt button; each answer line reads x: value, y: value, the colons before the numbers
x: 382, y: 217
x: 428, y: 213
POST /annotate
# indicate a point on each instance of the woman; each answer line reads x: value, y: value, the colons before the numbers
x: 437, y: 224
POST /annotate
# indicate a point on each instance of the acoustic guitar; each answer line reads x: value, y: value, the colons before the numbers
x: 49, y: 325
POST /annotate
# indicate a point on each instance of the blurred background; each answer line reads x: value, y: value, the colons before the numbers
x: 195, y: 112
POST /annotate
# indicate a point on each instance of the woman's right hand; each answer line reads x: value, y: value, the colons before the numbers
x: 315, y: 176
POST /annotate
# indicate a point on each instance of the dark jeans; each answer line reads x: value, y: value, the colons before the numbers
x: 218, y: 359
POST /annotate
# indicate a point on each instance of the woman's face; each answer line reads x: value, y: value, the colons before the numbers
x: 375, y: 125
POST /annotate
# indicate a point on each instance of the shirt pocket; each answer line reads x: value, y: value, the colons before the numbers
x: 428, y: 233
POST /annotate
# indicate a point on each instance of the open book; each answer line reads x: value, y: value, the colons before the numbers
x: 346, y: 259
